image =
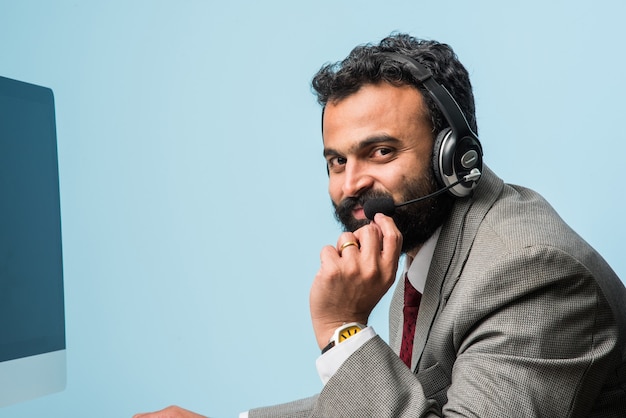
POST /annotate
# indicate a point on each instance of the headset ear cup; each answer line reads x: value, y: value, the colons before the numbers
x: 437, y: 153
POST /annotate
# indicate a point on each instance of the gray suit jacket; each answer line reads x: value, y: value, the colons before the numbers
x: 520, y: 318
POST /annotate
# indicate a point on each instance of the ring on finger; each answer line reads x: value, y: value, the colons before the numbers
x: 348, y: 244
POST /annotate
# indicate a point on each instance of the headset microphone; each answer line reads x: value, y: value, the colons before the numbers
x: 386, y: 206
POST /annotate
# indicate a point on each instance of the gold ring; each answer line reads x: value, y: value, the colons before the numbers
x: 348, y: 244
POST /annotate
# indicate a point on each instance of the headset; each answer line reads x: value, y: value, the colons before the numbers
x: 457, y: 150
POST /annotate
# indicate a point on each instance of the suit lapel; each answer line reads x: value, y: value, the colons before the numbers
x: 455, y: 241
x: 439, y: 266
x: 395, y: 316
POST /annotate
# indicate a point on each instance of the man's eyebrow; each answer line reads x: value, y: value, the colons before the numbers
x: 365, y: 143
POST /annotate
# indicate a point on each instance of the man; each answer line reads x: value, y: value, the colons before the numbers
x: 518, y: 316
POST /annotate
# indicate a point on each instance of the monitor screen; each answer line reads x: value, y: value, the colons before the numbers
x: 32, y: 318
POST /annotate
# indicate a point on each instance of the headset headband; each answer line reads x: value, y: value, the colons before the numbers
x: 444, y: 100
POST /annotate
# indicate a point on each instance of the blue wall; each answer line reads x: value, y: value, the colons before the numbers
x: 194, y: 192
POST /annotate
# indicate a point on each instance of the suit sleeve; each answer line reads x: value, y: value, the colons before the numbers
x: 374, y: 382
x: 297, y: 409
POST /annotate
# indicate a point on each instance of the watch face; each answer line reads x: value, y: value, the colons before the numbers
x: 347, y: 333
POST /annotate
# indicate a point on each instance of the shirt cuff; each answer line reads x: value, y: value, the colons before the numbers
x: 329, y: 362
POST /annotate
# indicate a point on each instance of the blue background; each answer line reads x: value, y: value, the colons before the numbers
x: 193, y: 190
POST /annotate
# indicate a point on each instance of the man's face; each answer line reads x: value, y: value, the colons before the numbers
x: 378, y: 142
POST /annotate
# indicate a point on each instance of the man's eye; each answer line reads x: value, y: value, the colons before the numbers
x: 336, y: 161
x: 381, y: 152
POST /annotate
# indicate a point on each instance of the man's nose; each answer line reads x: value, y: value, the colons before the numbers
x: 356, y: 179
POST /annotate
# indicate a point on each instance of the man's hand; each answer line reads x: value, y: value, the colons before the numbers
x: 352, y: 280
x: 170, y: 412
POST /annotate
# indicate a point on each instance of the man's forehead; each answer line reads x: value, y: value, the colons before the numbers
x: 376, y: 101
x: 374, y: 113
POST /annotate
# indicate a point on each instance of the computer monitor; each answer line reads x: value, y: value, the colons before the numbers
x: 32, y: 314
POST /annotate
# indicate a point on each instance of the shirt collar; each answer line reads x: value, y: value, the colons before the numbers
x: 417, y: 268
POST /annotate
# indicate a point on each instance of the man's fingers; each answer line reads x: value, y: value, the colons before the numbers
x: 391, y: 236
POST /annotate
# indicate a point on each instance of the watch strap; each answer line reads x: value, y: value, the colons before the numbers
x: 328, y: 347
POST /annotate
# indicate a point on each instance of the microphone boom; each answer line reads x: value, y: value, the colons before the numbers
x: 386, y: 205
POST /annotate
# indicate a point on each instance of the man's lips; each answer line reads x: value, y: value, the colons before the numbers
x: 358, y: 212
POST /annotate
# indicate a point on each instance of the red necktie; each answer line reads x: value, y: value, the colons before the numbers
x: 412, y: 300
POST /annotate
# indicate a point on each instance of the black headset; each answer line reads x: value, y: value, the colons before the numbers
x: 457, y: 149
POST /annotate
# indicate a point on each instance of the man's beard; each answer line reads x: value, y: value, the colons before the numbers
x: 417, y: 221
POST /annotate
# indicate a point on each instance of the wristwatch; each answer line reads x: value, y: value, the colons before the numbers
x: 343, y: 333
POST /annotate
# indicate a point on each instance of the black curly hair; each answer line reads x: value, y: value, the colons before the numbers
x: 366, y: 65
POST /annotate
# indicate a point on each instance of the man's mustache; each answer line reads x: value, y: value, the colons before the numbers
x: 348, y: 204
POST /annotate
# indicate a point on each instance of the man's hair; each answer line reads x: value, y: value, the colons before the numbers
x: 365, y: 65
